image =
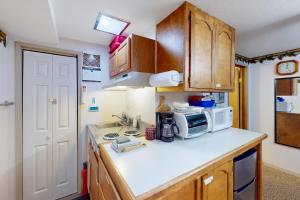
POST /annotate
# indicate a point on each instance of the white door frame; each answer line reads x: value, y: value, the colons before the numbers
x: 19, y: 48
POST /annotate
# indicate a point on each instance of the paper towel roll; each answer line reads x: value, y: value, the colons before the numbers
x: 165, y: 79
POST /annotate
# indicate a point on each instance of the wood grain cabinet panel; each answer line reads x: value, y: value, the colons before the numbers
x: 106, y: 184
x: 170, y: 34
x: 288, y: 129
x: 286, y: 87
x: 136, y: 53
x: 95, y: 191
x: 198, y: 45
x: 123, y: 57
x: 217, y: 184
x: 113, y: 65
x: 186, y: 190
x: 223, y: 71
x: 202, y: 35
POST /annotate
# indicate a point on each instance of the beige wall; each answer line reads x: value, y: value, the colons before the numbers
x: 7, y: 123
x: 261, y: 115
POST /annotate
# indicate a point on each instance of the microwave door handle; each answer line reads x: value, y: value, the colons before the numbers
x: 209, y: 121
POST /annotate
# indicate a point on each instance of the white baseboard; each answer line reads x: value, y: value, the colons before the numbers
x: 281, y: 169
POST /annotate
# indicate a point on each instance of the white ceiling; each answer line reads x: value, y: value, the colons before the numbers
x: 28, y: 19
x: 263, y: 26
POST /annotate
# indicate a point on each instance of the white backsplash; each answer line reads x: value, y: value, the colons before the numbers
x: 142, y: 102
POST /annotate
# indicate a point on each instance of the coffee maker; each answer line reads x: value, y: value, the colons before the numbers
x: 166, y: 127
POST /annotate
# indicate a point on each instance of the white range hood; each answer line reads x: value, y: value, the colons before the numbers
x: 130, y: 79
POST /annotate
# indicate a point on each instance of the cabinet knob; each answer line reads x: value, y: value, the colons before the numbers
x: 218, y: 85
x: 208, y: 180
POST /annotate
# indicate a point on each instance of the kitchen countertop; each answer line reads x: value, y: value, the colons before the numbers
x: 159, y: 163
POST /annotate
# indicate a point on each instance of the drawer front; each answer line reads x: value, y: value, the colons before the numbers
x: 106, y: 184
x: 248, y: 193
x: 245, y: 169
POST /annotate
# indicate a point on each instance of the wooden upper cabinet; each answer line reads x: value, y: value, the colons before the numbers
x: 286, y: 87
x: 217, y: 184
x: 198, y: 45
x: 223, y: 68
x: 112, y: 65
x: 170, y: 34
x: 202, y: 36
x: 136, y: 53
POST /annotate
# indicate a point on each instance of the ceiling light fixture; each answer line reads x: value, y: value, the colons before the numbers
x: 109, y: 24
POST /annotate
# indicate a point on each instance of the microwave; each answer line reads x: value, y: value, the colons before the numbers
x: 192, y: 125
x: 221, y: 118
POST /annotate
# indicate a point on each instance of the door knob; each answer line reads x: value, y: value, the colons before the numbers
x: 6, y: 103
x: 52, y: 100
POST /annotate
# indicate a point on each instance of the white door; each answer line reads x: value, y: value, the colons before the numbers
x: 49, y: 126
x: 64, y: 126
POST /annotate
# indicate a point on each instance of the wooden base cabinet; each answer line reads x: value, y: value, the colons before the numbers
x: 198, y: 45
x: 106, y: 184
x: 217, y: 184
x: 213, y: 181
x: 101, y: 187
x: 94, y: 186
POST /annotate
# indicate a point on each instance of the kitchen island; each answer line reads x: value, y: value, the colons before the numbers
x: 199, y: 168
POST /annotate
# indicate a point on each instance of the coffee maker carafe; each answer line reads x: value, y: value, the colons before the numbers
x: 166, y: 127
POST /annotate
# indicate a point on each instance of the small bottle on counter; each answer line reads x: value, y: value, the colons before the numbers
x: 134, y: 123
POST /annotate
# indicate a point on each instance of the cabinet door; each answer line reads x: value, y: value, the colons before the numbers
x: 218, y: 183
x: 106, y: 184
x: 112, y: 65
x: 223, y: 66
x: 95, y: 189
x: 286, y: 87
x: 123, y: 57
x: 186, y: 190
x: 93, y: 176
x: 202, y: 34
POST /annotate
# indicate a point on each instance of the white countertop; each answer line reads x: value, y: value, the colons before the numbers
x: 158, y: 163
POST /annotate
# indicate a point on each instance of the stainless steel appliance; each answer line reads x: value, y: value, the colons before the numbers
x: 245, y: 176
x: 192, y: 124
x: 111, y: 136
x: 166, y: 127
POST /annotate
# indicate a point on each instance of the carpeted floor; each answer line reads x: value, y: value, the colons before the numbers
x: 278, y: 185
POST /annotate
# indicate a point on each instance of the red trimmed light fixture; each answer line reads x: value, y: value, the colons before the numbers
x: 109, y: 24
